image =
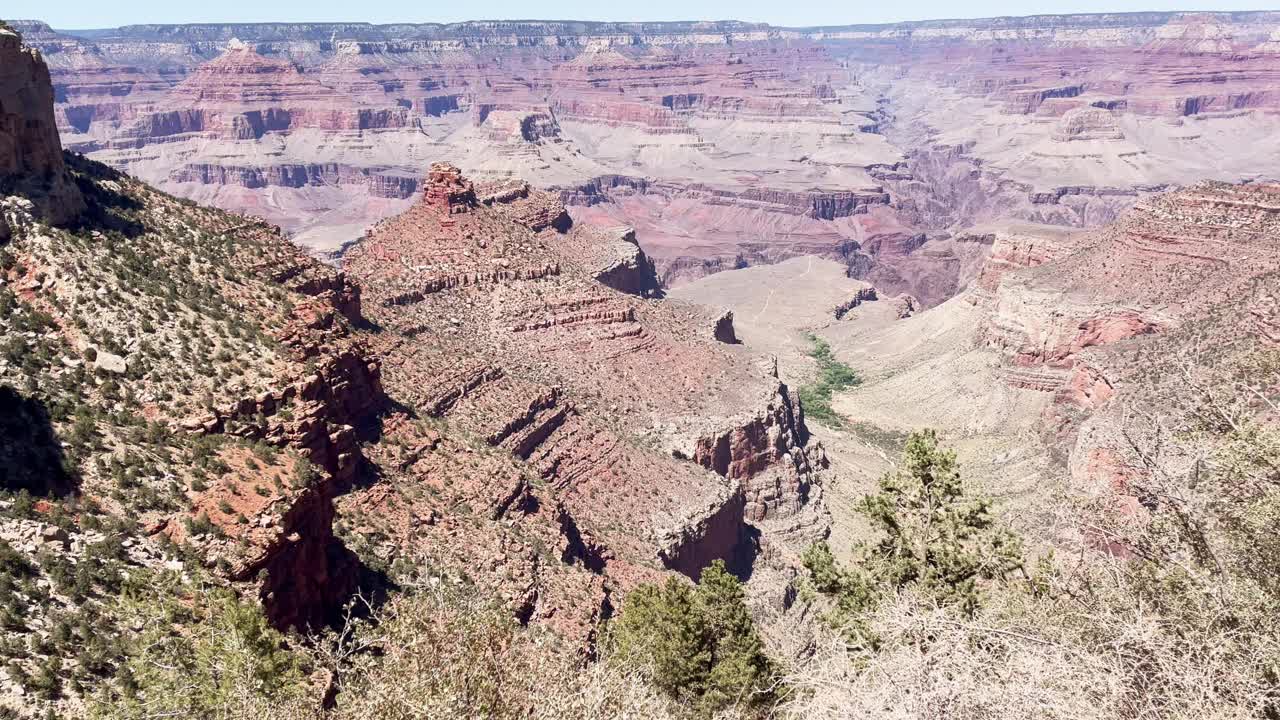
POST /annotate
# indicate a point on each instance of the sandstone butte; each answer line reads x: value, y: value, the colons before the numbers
x: 502, y: 320
x: 722, y: 144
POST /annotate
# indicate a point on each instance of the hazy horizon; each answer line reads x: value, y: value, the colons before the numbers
x: 83, y: 15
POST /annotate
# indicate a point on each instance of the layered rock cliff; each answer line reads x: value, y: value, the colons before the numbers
x: 1102, y: 323
x: 544, y: 348
x: 722, y: 144
x: 31, y: 163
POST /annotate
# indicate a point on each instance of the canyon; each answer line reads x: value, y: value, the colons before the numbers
x: 310, y: 319
x: 484, y: 390
x: 722, y: 145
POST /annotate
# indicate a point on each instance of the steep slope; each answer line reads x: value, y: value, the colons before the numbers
x: 1044, y: 372
x: 198, y: 414
x: 182, y: 390
x: 1181, y: 283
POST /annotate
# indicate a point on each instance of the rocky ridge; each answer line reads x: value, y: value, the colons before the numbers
x: 585, y: 390
x: 1103, y: 324
x: 484, y: 393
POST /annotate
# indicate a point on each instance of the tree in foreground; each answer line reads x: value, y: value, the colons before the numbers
x: 697, y: 644
x: 932, y: 538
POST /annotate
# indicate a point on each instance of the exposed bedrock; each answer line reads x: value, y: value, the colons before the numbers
x: 769, y: 453
x: 579, y: 363
x: 236, y: 124
x: 655, y: 119
x: 710, y: 533
x: 1125, y: 281
x: 1088, y: 123
x: 1036, y: 329
x: 534, y: 209
x: 601, y: 188
x: 305, y: 573
x: 31, y: 161
x: 728, y: 144
x: 308, y: 574
x: 774, y: 495
x: 721, y: 143
x: 723, y: 330
x: 815, y: 204
x: 867, y: 294
x: 623, y: 266
x: 381, y: 182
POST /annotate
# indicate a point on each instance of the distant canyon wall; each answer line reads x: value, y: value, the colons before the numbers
x: 722, y: 144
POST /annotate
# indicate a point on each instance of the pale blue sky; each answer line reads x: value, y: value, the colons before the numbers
x: 111, y: 13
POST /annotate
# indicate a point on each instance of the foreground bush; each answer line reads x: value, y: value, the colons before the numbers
x: 205, y: 657
x: 1172, y: 610
x: 697, y: 644
x: 931, y: 537
x: 447, y: 653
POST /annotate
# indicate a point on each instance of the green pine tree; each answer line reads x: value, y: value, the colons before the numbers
x: 697, y: 644
x: 932, y: 537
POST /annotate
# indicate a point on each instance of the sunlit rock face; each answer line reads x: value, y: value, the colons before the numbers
x: 31, y: 161
x: 721, y: 144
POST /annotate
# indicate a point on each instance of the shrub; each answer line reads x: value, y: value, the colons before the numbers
x: 833, y: 376
x: 451, y: 652
x: 934, y: 536
x: 931, y: 537
x: 234, y: 666
x: 699, y: 644
x: 305, y: 474
x: 201, y: 525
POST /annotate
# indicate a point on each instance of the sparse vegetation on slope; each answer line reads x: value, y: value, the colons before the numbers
x: 118, y: 335
x: 833, y: 376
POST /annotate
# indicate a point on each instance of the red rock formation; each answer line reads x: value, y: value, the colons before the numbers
x: 507, y: 329
x: 30, y: 153
x: 447, y: 191
x: 304, y: 572
x: 533, y: 209
x: 1122, y: 324
x: 1106, y: 321
x: 766, y: 451
x: 864, y: 295
x: 723, y: 330
x: 614, y: 259
x: 722, y: 144
x: 381, y: 182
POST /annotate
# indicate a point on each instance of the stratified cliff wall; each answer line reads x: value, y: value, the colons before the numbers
x: 30, y: 152
x: 722, y: 144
